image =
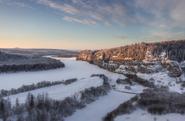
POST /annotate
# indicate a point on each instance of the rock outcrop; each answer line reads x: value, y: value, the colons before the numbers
x: 86, y: 55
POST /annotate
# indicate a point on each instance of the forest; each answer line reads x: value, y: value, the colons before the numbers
x: 17, y: 62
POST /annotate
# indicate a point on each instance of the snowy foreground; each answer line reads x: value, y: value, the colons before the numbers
x: 98, y: 109
x: 140, y: 115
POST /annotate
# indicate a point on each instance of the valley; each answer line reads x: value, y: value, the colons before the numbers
x: 120, y: 92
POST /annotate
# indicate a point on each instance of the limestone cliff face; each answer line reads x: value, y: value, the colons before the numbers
x: 173, y: 50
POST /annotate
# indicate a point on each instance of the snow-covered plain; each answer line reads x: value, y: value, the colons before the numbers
x: 162, y: 79
x: 141, y: 115
x: 73, y: 69
x: 60, y: 92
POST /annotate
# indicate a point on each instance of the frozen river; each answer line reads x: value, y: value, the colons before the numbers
x: 73, y: 69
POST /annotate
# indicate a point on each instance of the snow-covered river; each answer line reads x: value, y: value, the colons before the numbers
x: 73, y: 69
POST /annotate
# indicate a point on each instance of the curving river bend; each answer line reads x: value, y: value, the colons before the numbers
x: 73, y: 69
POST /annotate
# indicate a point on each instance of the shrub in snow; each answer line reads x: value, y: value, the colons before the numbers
x: 126, y: 69
x: 183, y: 84
x: 135, y: 78
x: 5, y: 109
x: 123, y: 81
x: 128, y: 87
x: 182, y: 65
x: 111, y: 66
x: 102, y: 76
x: 26, y: 88
x: 150, y: 68
x: 69, y: 81
x: 173, y: 68
x: 90, y: 95
x: 157, y: 108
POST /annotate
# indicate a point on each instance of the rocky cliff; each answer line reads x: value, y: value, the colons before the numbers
x: 173, y: 50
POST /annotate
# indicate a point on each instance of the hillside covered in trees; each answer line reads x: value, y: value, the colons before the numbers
x: 18, y: 62
x: 173, y: 50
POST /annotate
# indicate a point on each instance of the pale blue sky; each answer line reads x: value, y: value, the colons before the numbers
x: 89, y: 24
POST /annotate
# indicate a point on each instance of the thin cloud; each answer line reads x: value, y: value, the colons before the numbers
x: 156, y: 15
x: 81, y: 21
x: 16, y: 3
x: 59, y: 6
x: 93, y: 10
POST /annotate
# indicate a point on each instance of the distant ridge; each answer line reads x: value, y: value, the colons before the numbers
x: 19, y: 62
x: 40, y: 52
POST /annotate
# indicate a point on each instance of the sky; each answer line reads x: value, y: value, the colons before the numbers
x: 89, y: 24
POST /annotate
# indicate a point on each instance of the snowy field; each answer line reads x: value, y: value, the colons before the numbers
x: 141, y: 115
x: 73, y: 69
x: 98, y: 109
